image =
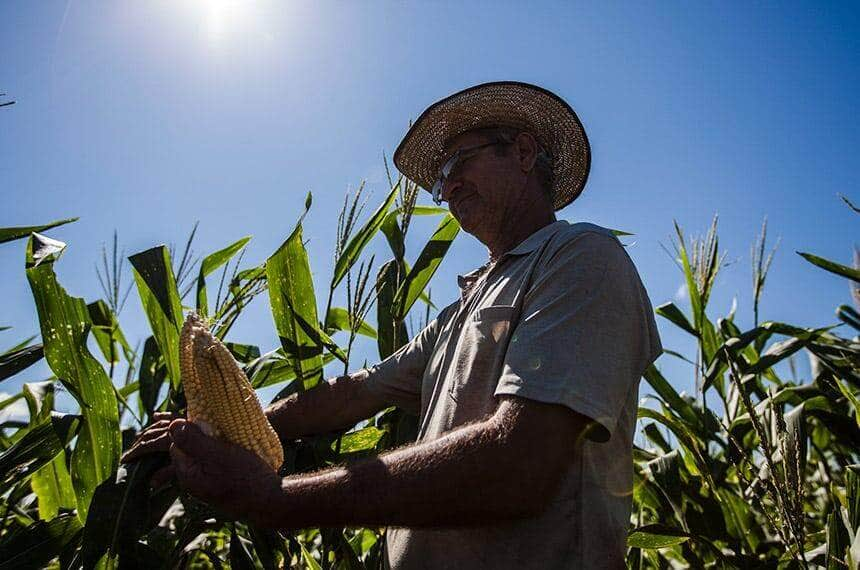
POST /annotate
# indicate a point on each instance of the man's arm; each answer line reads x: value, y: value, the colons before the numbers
x: 506, y: 466
x: 337, y: 403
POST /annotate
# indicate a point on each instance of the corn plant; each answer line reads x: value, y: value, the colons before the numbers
x: 756, y: 470
x: 769, y: 477
x: 66, y: 500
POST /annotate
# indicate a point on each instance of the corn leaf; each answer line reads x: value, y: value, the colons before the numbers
x: 209, y: 264
x: 392, y: 333
x: 426, y: 265
x: 849, y: 316
x: 51, y: 483
x: 107, y: 332
x: 309, y: 561
x: 361, y: 440
x: 685, y: 437
x: 353, y: 249
x: 119, y: 513
x: 832, y: 266
x: 654, y: 536
x: 671, y: 312
x: 53, y: 486
x: 665, y: 390
x: 151, y: 375
x: 37, y: 544
x: 65, y: 324
x: 692, y: 289
x: 10, y: 234
x: 37, y: 447
x: 294, y: 309
x: 159, y: 296
x: 338, y: 320
x: 15, y: 361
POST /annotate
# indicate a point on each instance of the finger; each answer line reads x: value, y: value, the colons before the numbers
x: 157, y: 442
x: 162, y: 477
x: 152, y: 428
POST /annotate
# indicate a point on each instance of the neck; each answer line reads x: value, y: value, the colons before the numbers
x: 512, y: 234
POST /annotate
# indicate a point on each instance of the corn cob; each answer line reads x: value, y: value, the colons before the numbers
x: 220, y: 398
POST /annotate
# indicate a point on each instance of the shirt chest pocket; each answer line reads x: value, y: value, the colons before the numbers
x: 480, y: 353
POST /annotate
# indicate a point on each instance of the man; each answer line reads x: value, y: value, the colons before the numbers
x: 526, y: 386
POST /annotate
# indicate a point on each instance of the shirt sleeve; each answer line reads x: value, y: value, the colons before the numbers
x: 586, y: 333
x: 398, y: 378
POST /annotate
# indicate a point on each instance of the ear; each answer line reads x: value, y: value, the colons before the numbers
x: 526, y: 151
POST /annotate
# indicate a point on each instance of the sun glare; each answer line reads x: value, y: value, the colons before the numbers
x: 227, y: 21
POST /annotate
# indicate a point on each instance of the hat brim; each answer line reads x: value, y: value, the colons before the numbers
x: 500, y: 103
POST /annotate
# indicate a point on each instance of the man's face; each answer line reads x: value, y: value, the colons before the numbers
x: 484, y: 188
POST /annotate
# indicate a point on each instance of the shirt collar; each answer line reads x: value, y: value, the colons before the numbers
x: 537, y: 239
x: 528, y: 245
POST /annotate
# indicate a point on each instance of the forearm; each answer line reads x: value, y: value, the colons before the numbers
x: 470, y: 476
x: 335, y: 404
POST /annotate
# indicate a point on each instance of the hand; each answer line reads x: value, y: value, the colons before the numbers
x: 225, y: 475
x: 153, y: 439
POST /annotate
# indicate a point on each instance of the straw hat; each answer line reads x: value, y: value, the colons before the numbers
x: 500, y: 103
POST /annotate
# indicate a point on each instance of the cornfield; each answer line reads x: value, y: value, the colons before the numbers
x: 755, y: 471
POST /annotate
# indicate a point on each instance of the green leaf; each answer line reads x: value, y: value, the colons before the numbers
x: 51, y: 483
x: 38, y: 446
x: 671, y: 312
x: 739, y: 520
x: 119, y: 512
x: 655, y: 536
x: 678, y: 405
x: 358, y: 441
x: 310, y: 561
x: 65, y: 324
x: 107, y: 332
x: 391, y: 229
x: 692, y: 289
x: 832, y: 266
x: 53, y: 486
x: 392, y: 333
x: 294, y: 309
x: 426, y: 265
x: 159, y: 296
x: 849, y: 394
x: 338, y: 320
x: 270, y: 368
x: 18, y: 346
x: 40, y: 542
x: 243, y: 353
x: 687, y: 439
x: 849, y: 316
x: 353, y: 249
x: 151, y: 375
x: 10, y: 234
x: 209, y: 264
x: 15, y: 361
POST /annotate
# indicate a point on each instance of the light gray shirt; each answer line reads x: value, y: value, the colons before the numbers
x: 562, y: 318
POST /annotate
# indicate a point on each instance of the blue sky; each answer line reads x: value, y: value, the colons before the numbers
x: 145, y: 117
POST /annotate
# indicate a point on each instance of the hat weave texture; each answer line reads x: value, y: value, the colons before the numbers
x: 523, y: 106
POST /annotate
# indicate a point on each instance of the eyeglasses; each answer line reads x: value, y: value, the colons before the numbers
x: 452, y: 162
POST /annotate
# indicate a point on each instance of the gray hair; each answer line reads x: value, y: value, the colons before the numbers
x: 543, y: 164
